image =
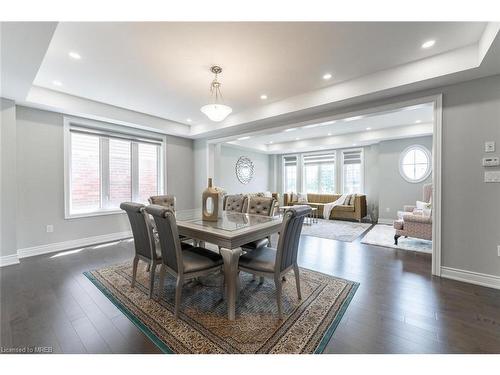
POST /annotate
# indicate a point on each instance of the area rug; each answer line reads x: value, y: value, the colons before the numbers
x: 203, y: 327
x: 346, y: 231
x: 383, y: 235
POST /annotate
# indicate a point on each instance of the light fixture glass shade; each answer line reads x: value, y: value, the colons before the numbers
x: 216, y: 112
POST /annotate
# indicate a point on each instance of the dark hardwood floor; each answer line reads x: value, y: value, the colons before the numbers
x: 46, y: 301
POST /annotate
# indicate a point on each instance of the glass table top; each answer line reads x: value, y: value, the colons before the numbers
x: 228, y: 221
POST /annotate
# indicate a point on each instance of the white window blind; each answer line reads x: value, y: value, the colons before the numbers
x: 352, y: 171
x: 290, y: 173
x: 105, y: 168
x: 319, y: 173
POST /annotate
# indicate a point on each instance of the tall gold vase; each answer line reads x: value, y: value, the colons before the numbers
x: 213, y: 195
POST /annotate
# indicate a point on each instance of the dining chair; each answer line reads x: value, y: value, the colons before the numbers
x: 146, y: 248
x: 259, y: 206
x: 167, y: 201
x: 183, y: 264
x: 233, y: 203
x: 275, y: 263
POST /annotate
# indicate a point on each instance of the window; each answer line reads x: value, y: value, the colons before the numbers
x: 352, y: 171
x: 319, y: 173
x: 104, y: 168
x: 415, y: 163
x: 290, y: 173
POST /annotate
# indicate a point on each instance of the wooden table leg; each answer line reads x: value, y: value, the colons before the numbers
x: 231, y: 258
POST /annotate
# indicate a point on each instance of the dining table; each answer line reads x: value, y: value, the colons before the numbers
x: 229, y: 233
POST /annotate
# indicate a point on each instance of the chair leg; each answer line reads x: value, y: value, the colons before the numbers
x: 152, y: 279
x: 396, y: 236
x: 134, y: 270
x: 261, y: 280
x: 161, y: 281
x: 297, y: 279
x: 277, y: 283
x: 178, y: 294
x: 148, y: 267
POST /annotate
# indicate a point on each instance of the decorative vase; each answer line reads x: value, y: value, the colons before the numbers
x: 211, y: 203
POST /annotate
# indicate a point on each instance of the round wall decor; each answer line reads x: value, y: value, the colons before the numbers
x: 244, y: 170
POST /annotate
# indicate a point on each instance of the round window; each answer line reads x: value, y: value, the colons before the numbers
x: 415, y: 164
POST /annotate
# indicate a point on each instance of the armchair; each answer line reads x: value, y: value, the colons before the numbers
x: 413, y: 225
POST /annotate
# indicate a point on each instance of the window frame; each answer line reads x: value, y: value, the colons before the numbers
x: 429, y: 164
x: 335, y: 168
x: 342, y: 178
x: 110, y: 130
x: 283, y: 169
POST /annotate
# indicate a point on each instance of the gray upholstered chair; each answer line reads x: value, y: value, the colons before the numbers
x: 259, y: 206
x: 167, y: 201
x: 275, y: 263
x: 234, y: 202
x: 184, y: 264
x: 146, y: 248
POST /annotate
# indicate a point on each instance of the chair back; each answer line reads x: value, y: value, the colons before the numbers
x: 288, y: 243
x: 166, y: 225
x: 234, y: 203
x: 167, y: 201
x: 427, y: 193
x: 259, y: 206
x: 142, y: 229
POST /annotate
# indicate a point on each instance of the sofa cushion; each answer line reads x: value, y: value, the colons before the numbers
x: 344, y: 207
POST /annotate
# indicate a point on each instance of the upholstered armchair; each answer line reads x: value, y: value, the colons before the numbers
x: 413, y: 225
x: 414, y: 222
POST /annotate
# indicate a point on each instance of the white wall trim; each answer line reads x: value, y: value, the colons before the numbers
x: 8, y: 260
x: 490, y: 281
x: 72, y: 244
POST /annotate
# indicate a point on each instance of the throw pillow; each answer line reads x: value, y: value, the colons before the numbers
x: 302, y: 198
x: 268, y: 194
x: 347, y: 200
x: 422, y: 205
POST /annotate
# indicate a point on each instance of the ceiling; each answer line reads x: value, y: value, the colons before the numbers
x: 366, y: 129
x: 162, y: 68
x: 155, y: 76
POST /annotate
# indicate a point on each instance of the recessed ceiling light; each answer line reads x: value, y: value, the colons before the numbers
x: 327, y: 76
x: 243, y: 138
x: 368, y: 128
x: 263, y: 96
x: 329, y: 133
x: 428, y: 44
x: 354, y: 144
x: 188, y: 120
x: 297, y: 139
x: 418, y: 121
x: 353, y: 118
x: 57, y: 83
x: 74, y: 55
x: 271, y: 142
x: 290, y: 130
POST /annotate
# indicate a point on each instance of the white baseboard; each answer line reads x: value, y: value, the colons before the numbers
x: 382, y: 220
x: 9, y: 260
x: 67, y: 245
x: 490, y: 281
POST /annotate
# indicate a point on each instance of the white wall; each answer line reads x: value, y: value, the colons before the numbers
x: 8, y: 182
x: 226, y: 175
x: 38, y: 147
x: 393, y: 190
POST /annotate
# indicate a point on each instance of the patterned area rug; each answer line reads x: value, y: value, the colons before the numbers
x: 203, y: 326
x: 383, y: 235
x: 339, y: 230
